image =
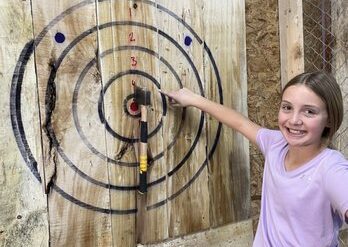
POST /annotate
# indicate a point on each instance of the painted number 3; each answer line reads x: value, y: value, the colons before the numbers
x: 134, y: 61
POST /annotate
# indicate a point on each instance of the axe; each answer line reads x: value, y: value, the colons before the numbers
x: 143, y: 98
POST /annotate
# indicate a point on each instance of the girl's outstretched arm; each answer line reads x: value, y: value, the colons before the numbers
x: 223, y: 114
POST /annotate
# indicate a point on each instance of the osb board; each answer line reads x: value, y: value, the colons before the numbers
x: 23, y: 209
x: 343, y: 238
x: 263, y: 66
x: 87, y: 54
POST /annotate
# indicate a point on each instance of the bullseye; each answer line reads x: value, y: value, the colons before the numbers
x: 130, y: 107
x: 93, y: 101
x: 134, y: 107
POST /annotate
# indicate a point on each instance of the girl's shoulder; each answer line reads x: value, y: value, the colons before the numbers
x: 335, y: 179
x: 268, y: 139
x: 265, y: 133
x: 336, y: 155
x: 334, y: 159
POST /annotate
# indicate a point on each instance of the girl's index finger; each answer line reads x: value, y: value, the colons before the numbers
x: 163, y: 92
x: 171, y: 100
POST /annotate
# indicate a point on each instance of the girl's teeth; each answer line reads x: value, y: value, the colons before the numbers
x: 295, y: 131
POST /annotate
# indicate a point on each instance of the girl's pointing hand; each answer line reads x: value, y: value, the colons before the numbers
x: 182, y: 97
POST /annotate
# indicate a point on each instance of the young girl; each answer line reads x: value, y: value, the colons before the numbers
x: 305, y: 182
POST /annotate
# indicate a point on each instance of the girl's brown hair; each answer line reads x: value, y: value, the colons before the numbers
x: 325, y: 86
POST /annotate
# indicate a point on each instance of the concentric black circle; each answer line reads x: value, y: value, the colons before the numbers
x: 16, y: 117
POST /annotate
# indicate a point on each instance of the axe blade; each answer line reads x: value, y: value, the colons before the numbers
x: 142, y: 96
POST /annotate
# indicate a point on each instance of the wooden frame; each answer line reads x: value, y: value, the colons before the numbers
x: 291, y: 39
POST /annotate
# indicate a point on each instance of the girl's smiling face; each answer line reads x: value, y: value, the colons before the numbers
x: 302, y: 116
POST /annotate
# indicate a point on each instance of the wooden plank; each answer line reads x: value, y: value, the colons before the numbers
x: 187, y: 183
x: 291, y: 39
x: 151, y: 219
x: 23, y: 207
x: 74, y: 137
x: 81, y: 156
x: 229, y: 178
x: 138, y: 62
x: 236, y: 235
x: 114, y: 64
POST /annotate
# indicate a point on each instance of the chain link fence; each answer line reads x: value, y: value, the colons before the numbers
x: 325, y: 32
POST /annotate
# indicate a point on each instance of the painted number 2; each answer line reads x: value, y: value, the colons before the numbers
x: 131, y: 37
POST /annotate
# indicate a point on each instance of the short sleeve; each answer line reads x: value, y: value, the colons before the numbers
x: 336, y: 186
x: 265, y: 138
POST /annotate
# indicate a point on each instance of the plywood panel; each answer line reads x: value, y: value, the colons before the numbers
x: 73, y: 140
x: 226, y: 82
x: 23, y: 209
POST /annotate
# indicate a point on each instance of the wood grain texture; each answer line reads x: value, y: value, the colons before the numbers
x: 123, y: 225
x: 229, y: 183
x: 68, y: 103
x: 188, y: 206
x: 87, y: 54
x: 23, y: 207
x: 291, y: 39
x: 236, y: 235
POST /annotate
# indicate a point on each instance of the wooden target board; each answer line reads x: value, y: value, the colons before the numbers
x: 87, y: 56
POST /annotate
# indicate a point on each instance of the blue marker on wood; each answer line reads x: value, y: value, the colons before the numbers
x: 188, y: 40
x: 59, y: 37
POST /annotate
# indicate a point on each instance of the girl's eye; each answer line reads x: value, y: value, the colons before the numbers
x: 310, y: 112
x: 286, y: 108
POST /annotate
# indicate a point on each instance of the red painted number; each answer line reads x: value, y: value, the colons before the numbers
x: 134, y: 61
x: 131, y: 37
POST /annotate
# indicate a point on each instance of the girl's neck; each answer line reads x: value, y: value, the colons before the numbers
x: 298, y: 156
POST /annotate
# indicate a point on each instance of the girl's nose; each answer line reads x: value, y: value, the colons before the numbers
x: 296, y: 119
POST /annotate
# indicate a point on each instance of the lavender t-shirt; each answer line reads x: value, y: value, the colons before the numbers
x: 303, y: 207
